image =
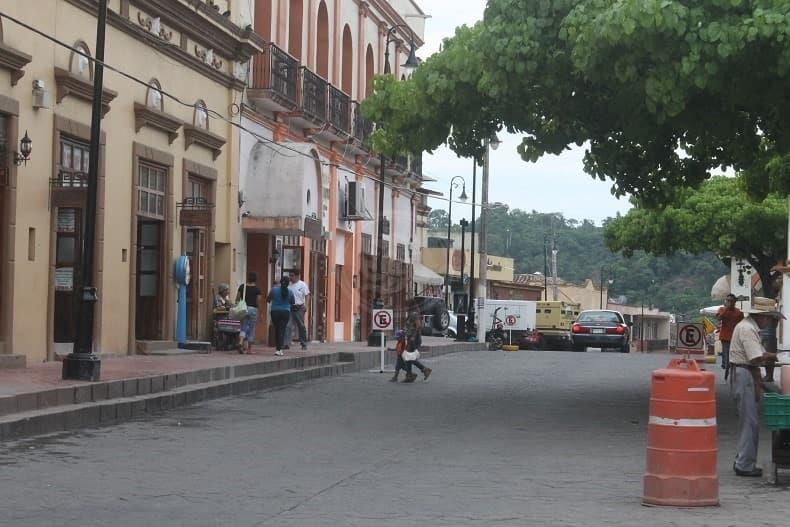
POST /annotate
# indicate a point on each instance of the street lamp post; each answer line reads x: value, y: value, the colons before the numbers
x: 462, y: 197
x: 82, y: 363
x: 494, y: 143
x: 609, y: 281
x: 411, y: 63
x: 470, y: 320
x: 545, y: 267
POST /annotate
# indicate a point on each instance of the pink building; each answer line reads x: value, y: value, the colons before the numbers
x: 308, y: 185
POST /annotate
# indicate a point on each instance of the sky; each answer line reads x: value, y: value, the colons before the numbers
x: 553, y: 184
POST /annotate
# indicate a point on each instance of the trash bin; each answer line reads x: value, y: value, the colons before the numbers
x: 460, y: 328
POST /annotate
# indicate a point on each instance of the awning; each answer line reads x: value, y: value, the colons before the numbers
x: 721, y: 288
x: 423, y: 275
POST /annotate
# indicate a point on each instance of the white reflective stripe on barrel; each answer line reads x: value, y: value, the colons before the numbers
x: 663, y: 421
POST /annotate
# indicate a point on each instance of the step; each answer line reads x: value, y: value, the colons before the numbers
x: 95, y: 413
x: 107, y: 390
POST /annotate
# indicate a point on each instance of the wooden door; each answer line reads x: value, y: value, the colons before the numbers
x: 68, y: 277
x: 150, y: 294
x: 197, y: 290
x: 319, y: 268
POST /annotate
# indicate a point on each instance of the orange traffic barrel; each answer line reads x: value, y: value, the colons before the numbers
x: 681, y: 468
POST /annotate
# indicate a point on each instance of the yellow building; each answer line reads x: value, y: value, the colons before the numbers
x: 167, y: 176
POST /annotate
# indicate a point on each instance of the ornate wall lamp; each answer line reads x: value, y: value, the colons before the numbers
x: 26, y: 148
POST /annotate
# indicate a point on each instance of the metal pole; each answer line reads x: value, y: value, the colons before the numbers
x: 470, y: 321
x: 447, y: 264
x: 545, y: 267
x: 601, y: 304
x: 483, y: 270
x: 82, y: 363
x: 464, y: 224
x: 642, y: 329
x: 378, y: 303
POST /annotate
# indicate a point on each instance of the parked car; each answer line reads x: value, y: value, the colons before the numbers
x: 434, y: 312
x: 600, y: 328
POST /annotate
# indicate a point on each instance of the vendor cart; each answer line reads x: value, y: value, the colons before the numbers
x: 226, y: 331
x: 776, y: 414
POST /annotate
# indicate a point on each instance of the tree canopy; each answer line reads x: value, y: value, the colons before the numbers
x: 718, y: 217
x: 661, y: 92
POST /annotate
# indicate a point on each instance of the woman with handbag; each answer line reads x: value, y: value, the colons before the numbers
x: 249, y: 294
x: 281, y: 299
x: 411, y: 355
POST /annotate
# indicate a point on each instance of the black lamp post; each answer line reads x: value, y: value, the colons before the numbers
x: 411, y: 63
x: 462, y: 197
x: 82, y: 364
x: 545, y: 267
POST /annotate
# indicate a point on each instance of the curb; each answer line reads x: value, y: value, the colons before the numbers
x: 109, y: 402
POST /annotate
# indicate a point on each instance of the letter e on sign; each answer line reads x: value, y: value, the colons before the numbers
x: 382, y: 319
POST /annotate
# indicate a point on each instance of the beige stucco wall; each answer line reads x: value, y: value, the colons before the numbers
x: 499, y: 267
x: 31, y: 284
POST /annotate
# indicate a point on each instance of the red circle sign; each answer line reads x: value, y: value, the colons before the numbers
x: 690, y: 336
x: 510, y: 320
x: 383, y: 319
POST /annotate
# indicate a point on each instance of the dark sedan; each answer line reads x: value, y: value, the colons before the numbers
x: 599, y: 328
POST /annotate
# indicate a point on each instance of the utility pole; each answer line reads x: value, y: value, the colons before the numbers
x: 470, y: 321
x: 483, y: 271
x: 82, y: 363
x: 555, y: 289
x: 545, y: 266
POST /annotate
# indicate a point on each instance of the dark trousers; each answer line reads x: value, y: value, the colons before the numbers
x: 401, y: 364
x: 280, y: 320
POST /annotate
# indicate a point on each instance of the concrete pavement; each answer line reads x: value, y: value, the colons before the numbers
x: 526, y: 438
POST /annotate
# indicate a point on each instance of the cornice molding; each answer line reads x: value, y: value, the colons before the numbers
x: 15, y: 61
x: 69, y: 84
x: 246, y: 45
x: 147, y: 116
x: 204, y: 138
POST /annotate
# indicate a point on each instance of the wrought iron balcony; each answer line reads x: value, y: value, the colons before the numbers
x: 276, y: 74
x: 339, y: 110
x: 314, y: 95
x: 68, y: 189
x: 362, y: 127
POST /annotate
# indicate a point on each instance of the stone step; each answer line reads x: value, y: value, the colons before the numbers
x: 108, y: 390
x: 95, y: 413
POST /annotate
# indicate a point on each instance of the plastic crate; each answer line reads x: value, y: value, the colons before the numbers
x: 776, y: 411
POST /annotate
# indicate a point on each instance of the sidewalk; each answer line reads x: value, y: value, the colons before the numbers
x: 34, y: 400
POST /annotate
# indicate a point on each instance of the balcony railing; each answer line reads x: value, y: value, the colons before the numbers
x: 276, y: 70
x: 313, y: 94
x: 362, y: 127
x: 415, y: 164
x: 339, y: 110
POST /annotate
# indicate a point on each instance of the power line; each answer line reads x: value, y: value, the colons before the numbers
x: 216, y: 115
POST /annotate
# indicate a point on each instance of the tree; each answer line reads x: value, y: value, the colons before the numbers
x: 437, y: 220
x: 661, y: 92
x: 718, y: 217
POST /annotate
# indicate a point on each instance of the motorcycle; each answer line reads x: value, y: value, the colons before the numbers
x: 496, y: 336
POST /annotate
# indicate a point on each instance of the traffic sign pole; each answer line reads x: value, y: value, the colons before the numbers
x: 382, y: 321
x: 381, y: 354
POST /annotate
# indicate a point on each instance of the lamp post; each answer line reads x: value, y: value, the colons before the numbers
x: 470, y: 318
x: 411, y: 63
x: 494, y: 143
x: 462, y: 197
x: 545, y: 267
x: 82, y: 364
x: 609, y: 281
x: 464, y: 224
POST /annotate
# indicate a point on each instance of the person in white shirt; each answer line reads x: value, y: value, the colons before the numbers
x: 301, y: 292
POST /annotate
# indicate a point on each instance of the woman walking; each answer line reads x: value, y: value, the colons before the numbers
x: 250, y: 292
x: 280, y: 299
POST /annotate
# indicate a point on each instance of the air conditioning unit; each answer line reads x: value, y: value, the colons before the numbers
x: 355, y: 201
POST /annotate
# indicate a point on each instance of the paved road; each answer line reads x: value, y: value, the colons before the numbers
x: 527, y: 438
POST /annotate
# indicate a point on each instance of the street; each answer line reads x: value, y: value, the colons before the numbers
x: 526, y: 438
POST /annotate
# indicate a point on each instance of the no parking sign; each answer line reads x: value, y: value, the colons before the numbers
x: 691, y: 338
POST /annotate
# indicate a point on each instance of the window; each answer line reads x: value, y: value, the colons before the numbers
x: 385, y: 248
x: 151, y: 191
x: 367, y: 244
x: 153, y: 98
x: 401, y: 250
x: 201, y: 115
x: 80, y: 65
x: 74, y: 158
x: 338, y: 292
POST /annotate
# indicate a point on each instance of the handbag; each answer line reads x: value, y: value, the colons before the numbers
x: 239, y: 311
x: 409, y: 356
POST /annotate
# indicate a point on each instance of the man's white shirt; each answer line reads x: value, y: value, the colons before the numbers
x: 300, y: 291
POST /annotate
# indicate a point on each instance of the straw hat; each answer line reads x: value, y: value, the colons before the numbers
x: 764, y: 306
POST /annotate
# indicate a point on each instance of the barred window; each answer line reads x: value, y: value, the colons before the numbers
x: 401, y: 252
x: 367, y: 244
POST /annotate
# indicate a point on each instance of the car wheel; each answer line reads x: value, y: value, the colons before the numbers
x: 441, y: 318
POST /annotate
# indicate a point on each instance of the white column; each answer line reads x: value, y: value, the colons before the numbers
x: 482, y: 270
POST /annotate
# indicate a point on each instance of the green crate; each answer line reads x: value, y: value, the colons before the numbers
x: 776, y: 411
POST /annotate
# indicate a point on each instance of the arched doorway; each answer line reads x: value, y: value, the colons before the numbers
x: 295, y: 21
x: 322, y: 42
x: 348, y: 61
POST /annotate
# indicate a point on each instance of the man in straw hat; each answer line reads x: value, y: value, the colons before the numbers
x: 746, y: 356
